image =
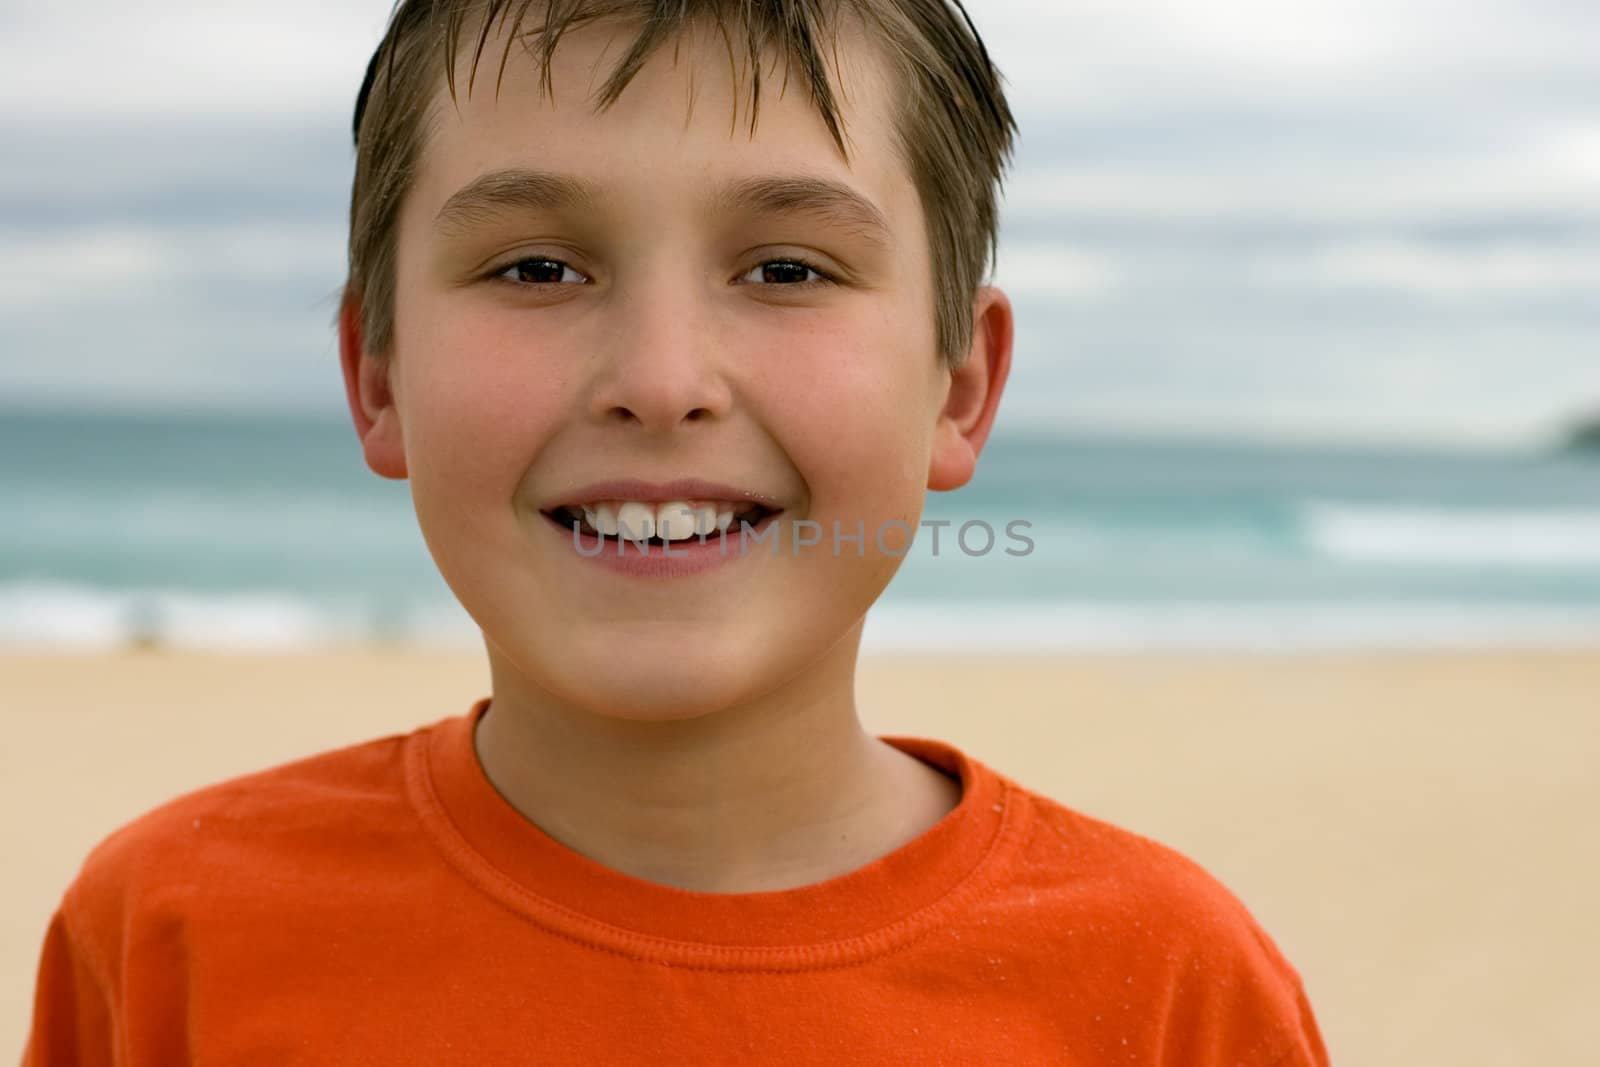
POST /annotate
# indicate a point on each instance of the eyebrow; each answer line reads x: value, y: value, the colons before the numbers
x: 521, y: 189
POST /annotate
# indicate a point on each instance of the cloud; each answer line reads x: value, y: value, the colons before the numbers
x: 218, y: 58
x: 233, y: 57
x: 1333, y: 217
x: 1108, y: 57
x: 1054, y: 271
x: 1503, y: 269
x: 1551, y: 170
x: 37, y: 270
x: 172, y: 170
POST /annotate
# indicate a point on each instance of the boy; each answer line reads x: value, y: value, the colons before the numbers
x: 581, y: 319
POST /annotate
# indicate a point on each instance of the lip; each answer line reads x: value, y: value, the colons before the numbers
x: 676, y: 560
x: 657, y: 493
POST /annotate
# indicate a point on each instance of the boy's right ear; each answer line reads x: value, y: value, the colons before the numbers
x: 372, y: 405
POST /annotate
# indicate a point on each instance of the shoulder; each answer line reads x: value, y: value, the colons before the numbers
x: 1144, y: 914
x: 262, y: 827
x: 1144, y: 879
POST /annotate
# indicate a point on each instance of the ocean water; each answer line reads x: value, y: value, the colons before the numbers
x: 269, y: 532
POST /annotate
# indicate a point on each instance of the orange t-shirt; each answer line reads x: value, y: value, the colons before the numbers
x: 382, y: 904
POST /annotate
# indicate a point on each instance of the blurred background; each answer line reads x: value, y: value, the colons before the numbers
x: 1306, y: 362
x: 1306, y: 331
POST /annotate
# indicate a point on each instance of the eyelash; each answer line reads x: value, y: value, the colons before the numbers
x: 823, y: 277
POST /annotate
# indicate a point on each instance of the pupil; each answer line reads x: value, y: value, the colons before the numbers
x: 539, y: 266
x: 792, y: 268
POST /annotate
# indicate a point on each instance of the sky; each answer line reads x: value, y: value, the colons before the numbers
x: 1332, y: 220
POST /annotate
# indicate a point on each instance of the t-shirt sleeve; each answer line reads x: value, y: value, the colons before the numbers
x: 1306, y: 1048
x: 71, y: 1024
x: 1275, y: 994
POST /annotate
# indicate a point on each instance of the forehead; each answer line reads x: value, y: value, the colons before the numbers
x: 681, y: 128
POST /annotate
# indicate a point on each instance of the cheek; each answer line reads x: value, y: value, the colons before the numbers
x: 854, y: 402
x: 478, y: 404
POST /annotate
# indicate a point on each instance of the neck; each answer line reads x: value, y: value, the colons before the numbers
x: 784, y: 791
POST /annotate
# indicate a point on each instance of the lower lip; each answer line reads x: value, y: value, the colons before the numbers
x: 680, y: 558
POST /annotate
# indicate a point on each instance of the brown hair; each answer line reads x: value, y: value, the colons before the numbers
x: 954, y: 126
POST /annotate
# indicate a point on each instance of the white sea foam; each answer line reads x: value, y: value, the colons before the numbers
x: 1438, y: 537
x: 58, y: 615
x: 997, y: 628
x: 39, y: 615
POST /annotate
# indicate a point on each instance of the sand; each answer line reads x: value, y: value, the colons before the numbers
x: 1413, y: 829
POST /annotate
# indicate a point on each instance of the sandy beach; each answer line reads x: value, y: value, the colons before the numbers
x: 1413, y: 829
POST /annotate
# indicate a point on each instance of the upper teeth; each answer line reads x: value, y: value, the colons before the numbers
x: 671, y: 520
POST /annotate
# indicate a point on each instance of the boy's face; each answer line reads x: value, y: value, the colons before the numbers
x: 654, y: 332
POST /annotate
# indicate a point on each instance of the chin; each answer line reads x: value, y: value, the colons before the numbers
x: 648, y: 690
x: 661, y: 670
x: 683, y: 673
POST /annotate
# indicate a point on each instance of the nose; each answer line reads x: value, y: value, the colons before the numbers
x: 662, y: 363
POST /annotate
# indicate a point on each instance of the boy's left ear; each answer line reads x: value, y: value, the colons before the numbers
x: 975, y: 388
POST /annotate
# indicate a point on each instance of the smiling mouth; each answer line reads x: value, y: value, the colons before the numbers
x: 687, y: 529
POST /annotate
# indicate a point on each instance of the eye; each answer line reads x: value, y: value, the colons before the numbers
x: 789, y: 273
x: 535, y: 270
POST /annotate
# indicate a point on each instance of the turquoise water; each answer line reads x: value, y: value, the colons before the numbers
x: 261, y: 531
